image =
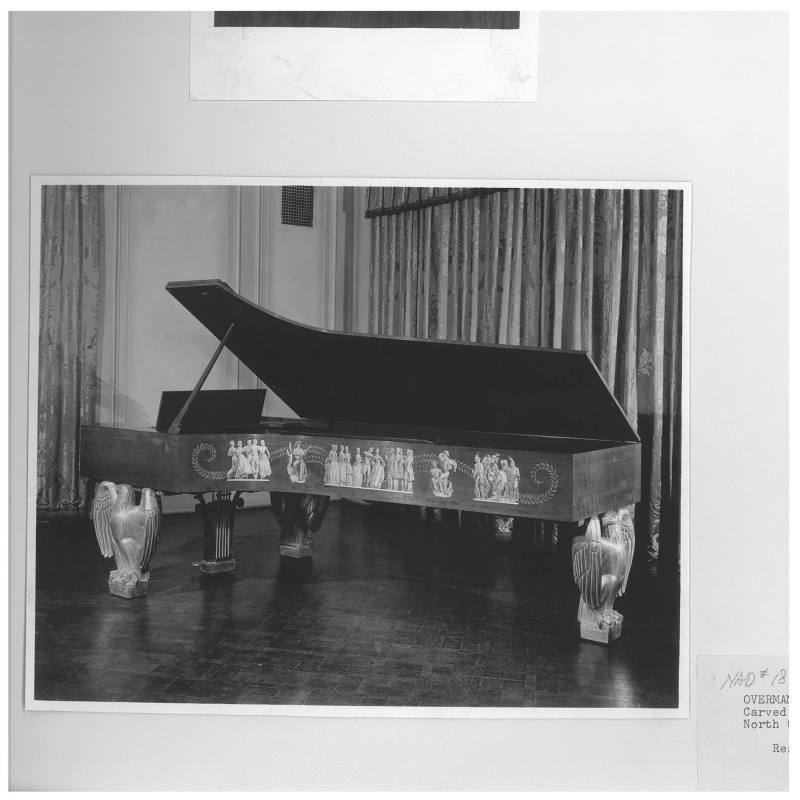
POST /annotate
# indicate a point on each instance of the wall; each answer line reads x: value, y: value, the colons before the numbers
x: 157, y: 234
x: 638, y: 96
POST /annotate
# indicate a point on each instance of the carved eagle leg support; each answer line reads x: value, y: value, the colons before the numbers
x: 299, y: 515
x: 601, y: 563
x: 218, y: 518
x: 127, y: 528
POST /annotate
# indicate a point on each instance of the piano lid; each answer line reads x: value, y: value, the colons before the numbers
x: 352, y: 377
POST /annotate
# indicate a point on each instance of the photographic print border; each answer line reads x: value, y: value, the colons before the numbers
x: 686, y: 701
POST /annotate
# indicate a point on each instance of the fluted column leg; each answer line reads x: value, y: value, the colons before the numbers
x: 218, y: 518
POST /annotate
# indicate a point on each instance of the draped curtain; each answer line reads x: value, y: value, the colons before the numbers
x: 69, y: 310
x: 598, y: 270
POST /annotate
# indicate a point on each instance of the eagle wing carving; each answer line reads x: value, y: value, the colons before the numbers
x: 587, y: 565
x: 148, y: 506
x: 629, y: 542
x: 104, y: 499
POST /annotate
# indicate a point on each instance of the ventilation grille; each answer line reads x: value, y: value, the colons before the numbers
x: 297, y: 205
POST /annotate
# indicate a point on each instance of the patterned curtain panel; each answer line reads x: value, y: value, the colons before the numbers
x: 69, y: 309
x: 598, y: 270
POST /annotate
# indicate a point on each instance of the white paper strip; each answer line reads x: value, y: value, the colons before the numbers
x: 406, y: 64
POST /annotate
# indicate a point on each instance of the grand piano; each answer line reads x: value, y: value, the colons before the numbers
x: 506, y: 431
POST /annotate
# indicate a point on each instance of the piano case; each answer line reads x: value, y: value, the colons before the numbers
x: 517, y: 431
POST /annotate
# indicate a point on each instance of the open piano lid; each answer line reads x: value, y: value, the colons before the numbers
x: 426, y: 383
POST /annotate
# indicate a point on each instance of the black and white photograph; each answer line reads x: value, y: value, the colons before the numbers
x: 398, y: 400
x: 374, y: 446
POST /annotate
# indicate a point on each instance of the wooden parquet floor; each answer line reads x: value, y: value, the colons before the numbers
x: 394, y: 611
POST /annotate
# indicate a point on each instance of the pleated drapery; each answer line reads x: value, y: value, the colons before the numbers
x: 592, y: 269
x: 69, y: 309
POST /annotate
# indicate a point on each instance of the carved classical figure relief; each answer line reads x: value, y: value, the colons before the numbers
x: 496, y: 479
x: 408, y: 472
x: 249, y: 461
x: 440, y: 471
x: 601, y: 563
x: 296, y: 466
x: 264, y: 467
x: 389, y: 470
x: 128, y: 532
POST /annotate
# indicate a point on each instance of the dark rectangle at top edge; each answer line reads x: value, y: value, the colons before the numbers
x: 486, y: 20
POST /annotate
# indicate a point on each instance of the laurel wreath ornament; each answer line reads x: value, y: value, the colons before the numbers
x: 209, y: 456
x: 315, y: 454
x: 549, y: 493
